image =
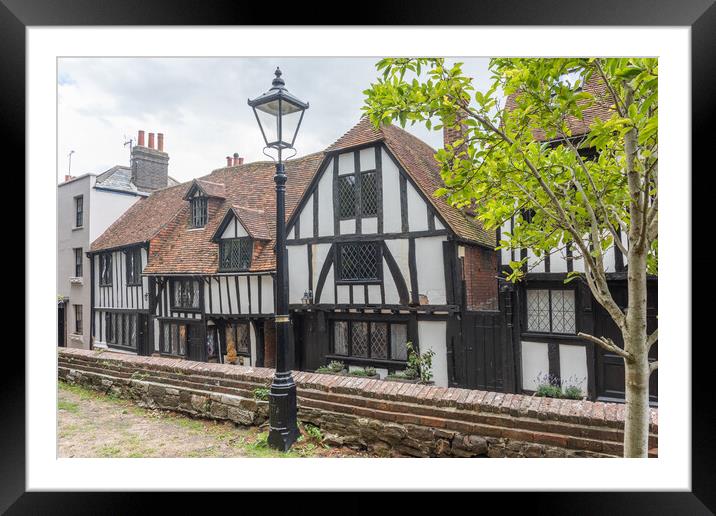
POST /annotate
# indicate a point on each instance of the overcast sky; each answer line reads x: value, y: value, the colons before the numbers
x: 200, y: 106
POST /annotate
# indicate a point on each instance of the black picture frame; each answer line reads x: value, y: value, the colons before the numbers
x: 699, y: 15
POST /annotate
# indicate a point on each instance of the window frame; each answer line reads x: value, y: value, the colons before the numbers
x: 162, y: 340
x: 232, y: 326
x: 339, y: 280
x: 134, y: 276
x: 359, y: 208
x: 105, y: 280
x: 390, y: 362
x: 79, y: 211
x: 79, y: 264
x: 79, y: 326
x: 225, y: 241
x: 197, y: 293
x: 118, y: 332
x: 198, y: 202
x: 550, y: 289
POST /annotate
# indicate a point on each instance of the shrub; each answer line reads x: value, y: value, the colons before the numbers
x: 261, y: 393
x: 334, y: 366
x: 368, y: 371
x: 548, y: 391
x: 422, y: 364
x: 573, y: 392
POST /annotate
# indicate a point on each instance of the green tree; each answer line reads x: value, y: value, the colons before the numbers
x: 501, y: 169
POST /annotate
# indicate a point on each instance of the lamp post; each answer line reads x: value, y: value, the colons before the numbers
x: 279, y: 115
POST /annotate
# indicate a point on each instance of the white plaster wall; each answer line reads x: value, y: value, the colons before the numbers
x: 438, y: 224
x: 106, y: 207
x: 534, y: 264
x: 328, y: 295
x: 374, y: 294
x: 348, y: 226
x: 343, y: 294
x: 431, y: 273
x: 319, y: 254
x: 391, y: 291
x: 254, y: 293
x: 267, y: 306
x: 433, y: 335
x: 573, y: 366
x: 225, y: 295
x: 558, y: 262
x: 369, y: 225
x: 234, y: 229
x: 306, y: 219
x: 399, y: 248
x: 391, y: 195
x: 417, y: 210
x: 535, y: 363
x: 346, y: 163
x: 244, y: 293
x: 367, y: 158
x: 298, y: 272
x: 325, y: 202
x: 358, y: 294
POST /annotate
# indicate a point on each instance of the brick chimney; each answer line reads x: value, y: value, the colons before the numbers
x: 237, y: 160
x: 150, y: 166
x: 229, y: 161
x: 452, y: 134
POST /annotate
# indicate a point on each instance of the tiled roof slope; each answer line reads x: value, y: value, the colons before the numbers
x: 417, y: 159
x: 143, y: 219
x: 602, y: 108
x: 249, y: 190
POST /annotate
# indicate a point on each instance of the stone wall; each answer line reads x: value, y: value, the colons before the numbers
x: 383, y: 416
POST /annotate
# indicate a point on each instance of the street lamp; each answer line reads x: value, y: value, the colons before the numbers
x: 279, y: 115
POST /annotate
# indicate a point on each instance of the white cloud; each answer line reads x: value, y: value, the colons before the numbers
x: 200, y: 106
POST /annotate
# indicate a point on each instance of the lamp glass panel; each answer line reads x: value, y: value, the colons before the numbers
x: 269, y: 125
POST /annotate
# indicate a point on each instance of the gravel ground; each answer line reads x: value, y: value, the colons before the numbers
x: 91, y: 424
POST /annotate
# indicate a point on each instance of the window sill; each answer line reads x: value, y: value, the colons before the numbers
x: 76, y: 280
x: 76, y: 228
x: 197, y: 229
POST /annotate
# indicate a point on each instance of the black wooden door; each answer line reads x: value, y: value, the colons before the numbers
x: 196, y: 342
x: 61, y: 325
x: 144, y: 344
x: 479, y: 356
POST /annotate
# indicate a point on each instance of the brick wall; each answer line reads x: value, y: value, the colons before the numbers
x: 480, y: 275
x: 408, y: 419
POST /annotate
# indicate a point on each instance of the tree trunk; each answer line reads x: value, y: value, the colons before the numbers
x: 636, y: 419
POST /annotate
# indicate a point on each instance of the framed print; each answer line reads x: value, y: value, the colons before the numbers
x: 356, y: 254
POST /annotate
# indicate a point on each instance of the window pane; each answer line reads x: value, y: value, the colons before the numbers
x: 167, y: 337
x: 538, y: 310
x: 132, y: 331
x: 379, y: 340
x: 398, y: 339
x: 563, y: 311
x: 340, y: 337
x: 359, y: 262
x: 347, y: 196
x: 369, y: 194
x: 182, y: 339
x: 173, y: 339
x: 359, y: 339
x: 243, y: 340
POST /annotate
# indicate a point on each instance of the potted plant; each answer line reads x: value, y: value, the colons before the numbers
x: 366, y: 372
x: 419, y: 368
x: 333, y: 367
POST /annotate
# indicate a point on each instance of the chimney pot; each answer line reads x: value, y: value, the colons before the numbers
x: 228, y: 161
x: 140, y: 138
x: 160, y: 141
x: 241, y: 161
x: 151, y: 140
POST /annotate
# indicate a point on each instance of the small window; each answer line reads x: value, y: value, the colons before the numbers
x: 105, y: 269
x: 359, y: 262
x: 369, y: 194
x: 173, y: 339
x: 185, y: 294
x: 551, y: 311
x: 370, y: 339
x: 198, y: 212
x: 235, y: 254
x: 238, y: 336
x: 78, y: 319
x: 347, y: 196
x: 78, y: 262
x: 79, y: 211
x: 133, y: 258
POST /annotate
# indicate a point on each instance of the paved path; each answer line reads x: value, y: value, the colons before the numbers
x: 95, y: 425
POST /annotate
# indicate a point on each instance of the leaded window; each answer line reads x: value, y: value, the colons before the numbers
x: 121, y: 329
x: 199, y: 214
x: 347, y: 196
x: 359, y: 262
x: 78, y: 262
x: 370, y: 339
x: 358, y: 195
x: 238, y: 335
x: 173, y: 339
x: 79, y: 211
x: 105, y: 269
x: 185, y: 294
x: 551, y: 311
x: 235, y: 253
x: 133, y: 258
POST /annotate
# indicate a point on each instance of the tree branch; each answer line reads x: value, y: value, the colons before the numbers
x: 653, y: 366
x: 651, y: 339
x: 607, y: 344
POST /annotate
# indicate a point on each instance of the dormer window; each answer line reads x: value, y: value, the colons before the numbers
x: 235, y: 253
x: 198, y: 212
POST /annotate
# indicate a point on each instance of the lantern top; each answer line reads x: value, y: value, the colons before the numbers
x: 278, y: 91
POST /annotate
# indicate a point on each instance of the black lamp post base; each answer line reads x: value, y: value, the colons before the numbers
x: 282, y: 412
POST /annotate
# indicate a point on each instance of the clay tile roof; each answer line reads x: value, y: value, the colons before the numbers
x: 250, y: 193
x: 602, y: 108
x: 211, y: 189
x: 143, y: 220
x: 254, y: 221
x: 417, y: 158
